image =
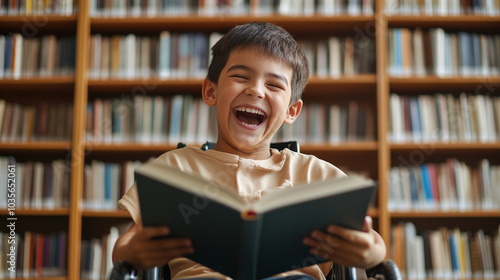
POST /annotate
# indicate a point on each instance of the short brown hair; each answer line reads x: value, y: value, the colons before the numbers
x: 270, y: 39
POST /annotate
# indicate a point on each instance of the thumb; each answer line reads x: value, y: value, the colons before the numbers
x: 368, y: 224
x: 151, y: 232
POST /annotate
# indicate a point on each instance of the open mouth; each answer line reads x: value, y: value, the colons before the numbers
x: 250, y: 116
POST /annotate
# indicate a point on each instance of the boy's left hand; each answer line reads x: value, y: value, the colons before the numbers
x: 352, y: 248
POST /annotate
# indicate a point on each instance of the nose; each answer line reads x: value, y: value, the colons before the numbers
x: 255, y: 90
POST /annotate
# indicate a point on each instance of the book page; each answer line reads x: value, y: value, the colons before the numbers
x: 311, y: 191
x: 192, y: 183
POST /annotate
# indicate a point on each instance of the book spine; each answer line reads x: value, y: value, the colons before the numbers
x: 249, y: 248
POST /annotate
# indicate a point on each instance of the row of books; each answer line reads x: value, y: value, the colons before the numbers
x: 43, y: 121
x: 330, y: 123
x: 170, y: 55
x: 442, y: 7
x: 180, y: 55
x: 36, y: 255
x: 183, y: 118
x: 337, y: 56
x: 101, y: 8
x: 451, y: 185
x: 439, y: 52
x: 38, y: 7
x: 445, y: 118
x: 104, y: 183
x: 150, y: 119
x: 38, y: 185
x: 95, y: 256
x: 37, y: 56
x: 445, y: 253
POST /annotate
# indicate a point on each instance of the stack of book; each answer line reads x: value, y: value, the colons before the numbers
x: 36, y: 255
x: 445, y: 117
x: 96, y: 262
x: 183, y: 55
x: 452, y: 185
x: 151, y: 119
x: 445, y: 253
x: 330, y: 123
x: 43, y: 121
x: 170, y: 55
x: 438, y: 52
x: 133, y: 8
x: 104, y: 183
x: 338, y: 56
x: 24, y: 57
x: 36, y: 7
x: 442, y: 7
x: 39, y: 185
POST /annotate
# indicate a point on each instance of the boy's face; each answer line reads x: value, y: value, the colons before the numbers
x: 253, y: 100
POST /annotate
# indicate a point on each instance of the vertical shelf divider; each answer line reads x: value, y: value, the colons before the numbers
x: 78, y: 144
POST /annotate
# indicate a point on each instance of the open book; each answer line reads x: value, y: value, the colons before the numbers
x: 248, y: 241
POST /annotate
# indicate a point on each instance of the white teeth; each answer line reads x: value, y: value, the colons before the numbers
x: 250, y: 110
x: 247, y: 124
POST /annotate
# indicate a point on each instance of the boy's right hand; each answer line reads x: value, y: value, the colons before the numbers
x: 139, y: 248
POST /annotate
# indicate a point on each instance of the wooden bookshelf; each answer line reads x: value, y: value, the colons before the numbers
x: 299, y: 24
x: 459, y: 22
x: 376, y: 157
x: 36, y: 146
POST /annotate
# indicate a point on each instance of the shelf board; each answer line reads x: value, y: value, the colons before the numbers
x: 130, y: 147
x: 146, y: 85
x: 295, y: 24
x: 458, y: 146
x: 360, y: 84
x: 41, y: 278
x: 106, y: 213
x: 372, y: 212
x: 38, y: 85
x: 45, y: 146
x: 353, y: 146
x: 153, y: 84
x: 476, y: 84
x: 33, y: 25
x: 37, y: 212
x: 446, y: 214
x: 462, y: 22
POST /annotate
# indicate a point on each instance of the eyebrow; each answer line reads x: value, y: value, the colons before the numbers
x: 269, y: 74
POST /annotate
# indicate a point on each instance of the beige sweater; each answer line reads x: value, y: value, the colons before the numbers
x: 251, y: 178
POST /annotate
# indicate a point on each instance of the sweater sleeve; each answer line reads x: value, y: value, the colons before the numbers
x: 130, y: 203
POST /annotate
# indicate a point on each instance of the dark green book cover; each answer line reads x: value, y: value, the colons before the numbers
x: 246, y: 241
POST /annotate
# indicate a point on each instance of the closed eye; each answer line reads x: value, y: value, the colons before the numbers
x: 239, y: 77
x: 276, y: 86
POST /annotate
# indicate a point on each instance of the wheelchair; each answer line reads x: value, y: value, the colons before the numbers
x: 387, y: 270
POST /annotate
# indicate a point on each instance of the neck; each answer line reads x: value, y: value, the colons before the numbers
x: 255, y: 153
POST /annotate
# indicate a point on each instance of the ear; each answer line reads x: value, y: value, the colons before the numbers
x: 208, y: 92
x: 293, y: 112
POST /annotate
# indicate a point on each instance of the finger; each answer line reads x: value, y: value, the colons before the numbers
x: 147, y: 258
x: 150, y: 232
x: 330, y: 243
x: 351, y: 236
x: 368, y: 224
x: 167, y: 243
x: 167, y: 254
x: 320, y: 245
x: 342, y: 258
x: 326, y: 238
